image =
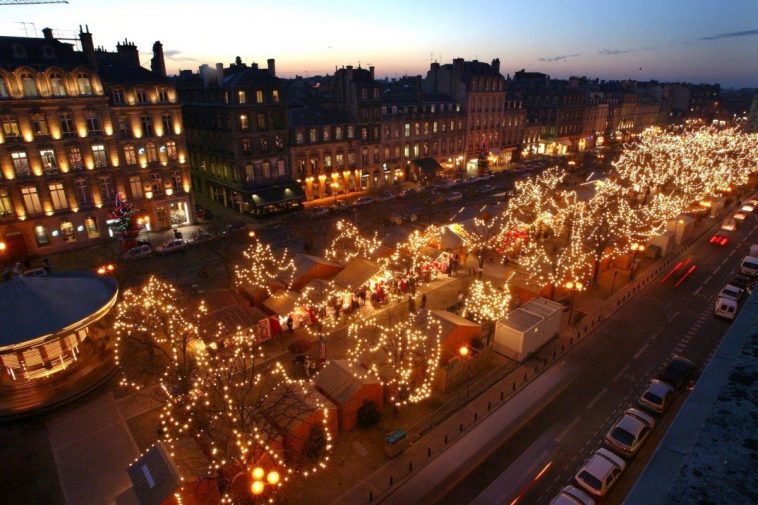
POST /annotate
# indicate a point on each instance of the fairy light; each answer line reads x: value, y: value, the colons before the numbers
x: 486, y: 303
x: 262, y: 267
x: 349, y: 243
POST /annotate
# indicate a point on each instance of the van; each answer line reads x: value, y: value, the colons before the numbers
x: 749, y: 266
x: 725, y: 308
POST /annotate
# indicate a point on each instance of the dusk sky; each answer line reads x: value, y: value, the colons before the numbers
x: 687, y: 40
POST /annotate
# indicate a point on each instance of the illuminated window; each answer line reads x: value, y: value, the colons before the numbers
x: 327, y: 161
x: 90, y: 224
x: 151, y: 153
x: 241, y: 96
x: 58, y: 196
x: 49, y: 163
x: 340, y: 160
x: 312, y: 135
x: 6, y: 207
x: 130, y: 155
x: 28, y: 84
x: 40, y: 235
x: 156, y: 184
x: 10, y: 126
x: 259, y: 96
x: 299, y: 138
x: 3, y: 89
x: 85, y: 86
x: 176, y: 180
x: 100, y: 156
x: 21, y: 164
x: 31, y: 200
x: 364, y: 157
x: 74, y: 156
x: 266, y: 169
x: 171, y: 149
x: 39, y: 125
x: 364, y: 133
x: 407, y: 130
x: 338, y: 133
x: 350, y: 132
x: 57, y: 85
x: 280, y: 167
x: 326, y: 133
x: 67, y: 231
x: 244, y: 122
x: 275, y: 95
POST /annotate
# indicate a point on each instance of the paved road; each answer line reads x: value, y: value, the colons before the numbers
x: 613, y: 364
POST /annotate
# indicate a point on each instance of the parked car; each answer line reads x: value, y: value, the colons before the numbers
x: 742, y: 282
x: 136, y: 253
x: 630, y: 432
x: 729, y: 224
x: 486, y: 188
x: 364, y: 200
x: 726, y: 308
x: 731, y: 292
x: 320, y: 211
x: 201, y: 236
x: 571, y: 495
x: 749, y: 266
x: 408, y: 192
x: 740, y: 215
x: 171, y: 246
x: 454, y: 196
x: 750, y: 205
x: 656, y: 397
x: 601, y: 472
x: 446, y: 184
x: 678, y: 372
x: 35, y: 272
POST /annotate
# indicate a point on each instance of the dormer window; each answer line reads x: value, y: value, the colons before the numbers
x: 57, y: 85
x: 19, y: 51
x: 47, y: 52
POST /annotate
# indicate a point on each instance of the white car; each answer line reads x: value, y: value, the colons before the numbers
x: 740, y: 215
x: 630, y: 432
x: 364, y: 200
x: 570, y: 495
x: 657, y: 396
x: 731, y: 292
x: 726, y: 308
x: 138, y: 252
x: 35, y: 272
x: 171, y: 246
x: 601, y: 472
x: 454, y: 196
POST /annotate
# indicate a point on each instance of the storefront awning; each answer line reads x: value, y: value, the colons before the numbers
x: 284, y: 192
x: 427, y: 165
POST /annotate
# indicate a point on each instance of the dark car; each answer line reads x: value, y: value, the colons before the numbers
x: 743, y: 282
x: 678, y: 372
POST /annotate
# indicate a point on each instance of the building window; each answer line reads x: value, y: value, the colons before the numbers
x: 299, y: 138
x: 67, y: 125
x: 28, y: 84
x: 340, y: 160
x: 266, y: 169
x: 74, y: 156
x: 3, y: 89
x: 259, y: 96
x: 260, y: 120
x: 135, y: 186
x: 326, y: 134
x: 364, y: 157
x: 312, y: 135
x: 58, y: 196
x: 90, y: 224
x: 176, y: 180
x: 163, y: 95
x: 247, y: 146
x: 167, y: 123
x: 244, y: 122
x: 10, y: 127
x: 151, y: 153
x: 49, y: 163
x: 279, y: 142
x: 249, y: 173
x: 407, y: 151
x: 39, y: 125
x: 93, y: 123
x: 40, y: 235
x: 328, y: 162
x: 263, y: 145
x: 171, y: 149
x: 130, y: 155
x: 100, y: 156
x: 118, y: 96
x: 407, y: 130
x: 106, y: 188
x: 377, y: 157
x: 31, y: 200
x: 141, y: 96
x: 85, y: 86
x: 275, y: 95
x: 241, y: 96
x: 67, y: 231
x: 364, y: 133
x: 147, y: 126
x: 83, y: 191
x: 350, y: 132
x: 364, y: 94
x: 156, y: 184
x: 6, y: 207
x: 57, y: 85
x: 280, y: 167
x: 21, y: 164
x: 338, y: 133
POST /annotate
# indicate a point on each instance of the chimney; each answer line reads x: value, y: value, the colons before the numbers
x: 496, y: 65
x: 272, y: 67
x: 254, y: 66
x: 205, y: 73
x: 349, y: 73
x: 48, y: 33
x: 158, y: 64
x: 127, y: 53
x: 371, y: 71
x: 220, y: 75
x: 88, y: 47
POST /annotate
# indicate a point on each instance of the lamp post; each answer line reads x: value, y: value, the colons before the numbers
x: 464, y: 353
x: 334, y: 191
x: 573, y: 287
x: 260, y: 481
x: 145, y: 221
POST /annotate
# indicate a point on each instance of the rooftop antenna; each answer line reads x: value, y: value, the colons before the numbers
x: 25, y: 23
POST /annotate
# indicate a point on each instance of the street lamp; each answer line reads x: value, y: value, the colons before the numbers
x: 573, y: 287
x: 334, y: 191
x: 464, y: 353
x: 145, y: 221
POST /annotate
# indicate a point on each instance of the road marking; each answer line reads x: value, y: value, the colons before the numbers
x: 716, y: 270
x: 707, y: 279
x: 697, y: 290
x: 618, y: 375
x: 596, y: 398
x: 672, y: 317
x: 567, y: 429
x: 723, y: 262
x: 732, y: 253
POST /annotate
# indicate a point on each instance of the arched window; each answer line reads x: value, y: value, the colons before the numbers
x: 30, y: 87
x: 85, y: 86
x: 3, y: 89
x: 266, y: 167
x: 57, y: 85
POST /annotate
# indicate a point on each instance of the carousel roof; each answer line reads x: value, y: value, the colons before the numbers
x: 34, y: 307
